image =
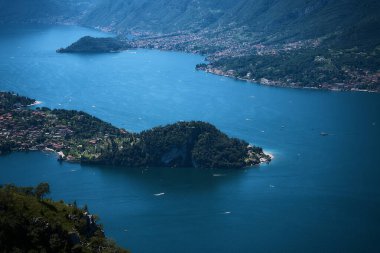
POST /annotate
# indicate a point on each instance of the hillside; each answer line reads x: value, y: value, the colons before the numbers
x: 31, y: 223
x: 23, y: 11
x: 269, y: 20
x: 43, y: 11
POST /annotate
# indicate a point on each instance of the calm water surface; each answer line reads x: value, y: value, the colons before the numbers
x: 320, y: 194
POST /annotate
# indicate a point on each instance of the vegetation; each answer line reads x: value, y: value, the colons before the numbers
x: 30, y: 223
x: 342, y: 69
x: 80, y: 137
x: 9, y: 101
x: 89, y: 44
x: 185, y: 144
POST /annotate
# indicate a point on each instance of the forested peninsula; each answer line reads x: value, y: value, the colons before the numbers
x: 88, y: 44
x: 79, y: 137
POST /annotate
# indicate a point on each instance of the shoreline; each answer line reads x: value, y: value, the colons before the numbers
x: 35, y: 103
x: 266, y: 160
x: 270, y: 155
x: 61, y: 157
x: 266, y: 82
x: 269, y: 83
x: 113, y: 32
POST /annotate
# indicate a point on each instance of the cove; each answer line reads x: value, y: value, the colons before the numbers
x: 320, y: 194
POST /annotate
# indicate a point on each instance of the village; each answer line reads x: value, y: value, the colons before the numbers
x: 238, y: 53
x: 22, y: 129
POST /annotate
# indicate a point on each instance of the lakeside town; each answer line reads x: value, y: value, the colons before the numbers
x: 299, y: 64
x: 236, y: 52
x: 240, y: 54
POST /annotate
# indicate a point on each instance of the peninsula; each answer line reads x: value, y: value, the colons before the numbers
x: 79, y: 137
x: 90, y: 44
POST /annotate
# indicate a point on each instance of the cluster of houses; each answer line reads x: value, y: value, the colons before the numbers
x: 29, y: 130
x: 218, y: 43
x: 38, y: 130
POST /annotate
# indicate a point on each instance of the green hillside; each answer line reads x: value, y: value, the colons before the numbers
x: 31, y: 223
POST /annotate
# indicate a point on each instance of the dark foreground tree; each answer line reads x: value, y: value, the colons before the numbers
x: 41, y: 190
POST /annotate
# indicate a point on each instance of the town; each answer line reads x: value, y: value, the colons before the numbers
x: 238, y: 53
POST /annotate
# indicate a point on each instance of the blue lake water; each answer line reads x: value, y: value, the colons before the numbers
x: 320, y: 194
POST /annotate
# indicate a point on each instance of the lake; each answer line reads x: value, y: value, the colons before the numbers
x: 320, y: 194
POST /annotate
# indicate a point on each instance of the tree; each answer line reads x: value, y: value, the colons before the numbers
x: 41, y: 190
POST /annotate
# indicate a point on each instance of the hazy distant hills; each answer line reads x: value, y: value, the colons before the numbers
x: 42, y: 11
x: 349, y: 22
x: 274, y: 20
x: 25, y: 10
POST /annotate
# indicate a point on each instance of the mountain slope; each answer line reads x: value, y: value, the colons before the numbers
x: 274, y: 20
x: 22, y: 10
x: 48, y: 11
